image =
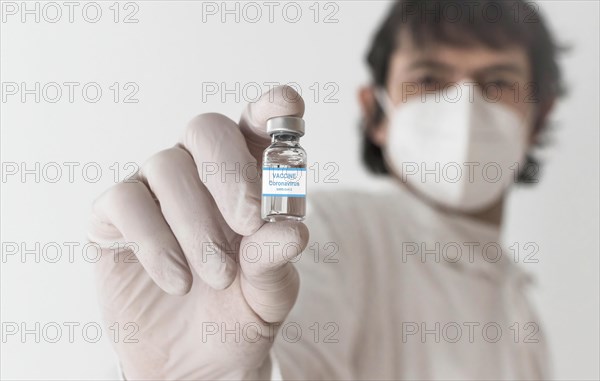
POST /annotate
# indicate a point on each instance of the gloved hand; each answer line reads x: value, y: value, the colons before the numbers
x: 198, y: 308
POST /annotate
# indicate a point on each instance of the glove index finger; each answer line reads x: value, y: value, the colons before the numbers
x: 270, y: 282
x: 279, y: 101
x: 227, y: 169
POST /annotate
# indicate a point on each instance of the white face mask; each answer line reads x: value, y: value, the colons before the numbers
x: 461, y: 152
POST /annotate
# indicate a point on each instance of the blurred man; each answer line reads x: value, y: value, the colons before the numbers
x: 408, y: 283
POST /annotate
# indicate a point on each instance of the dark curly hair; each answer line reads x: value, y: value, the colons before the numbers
x: 508, y: 23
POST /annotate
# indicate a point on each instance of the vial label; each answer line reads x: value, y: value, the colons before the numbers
x: 284, y: 182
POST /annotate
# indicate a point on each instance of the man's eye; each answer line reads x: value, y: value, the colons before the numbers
x: 428, y: 80
x: 502, y: 83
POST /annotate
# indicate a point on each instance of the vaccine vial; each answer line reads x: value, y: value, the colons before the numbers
x: 284, y: 171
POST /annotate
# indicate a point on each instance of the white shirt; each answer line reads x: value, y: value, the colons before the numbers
x: 397, y: 313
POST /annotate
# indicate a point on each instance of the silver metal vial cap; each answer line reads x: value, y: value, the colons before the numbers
x: 290, y: 124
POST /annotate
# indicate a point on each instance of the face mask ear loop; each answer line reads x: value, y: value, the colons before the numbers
x: 384, y: 101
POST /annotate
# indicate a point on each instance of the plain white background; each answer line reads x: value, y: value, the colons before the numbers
x: 173, y: 56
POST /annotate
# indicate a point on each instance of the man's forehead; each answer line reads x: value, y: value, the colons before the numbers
x: 472, y: 57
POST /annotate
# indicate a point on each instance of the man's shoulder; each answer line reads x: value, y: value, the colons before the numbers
x: 342, y: 202
x: 369, y: 199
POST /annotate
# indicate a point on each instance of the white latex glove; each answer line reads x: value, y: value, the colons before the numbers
x: 180, y: 283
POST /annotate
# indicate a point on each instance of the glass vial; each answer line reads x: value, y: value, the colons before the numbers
x: 284, y: 171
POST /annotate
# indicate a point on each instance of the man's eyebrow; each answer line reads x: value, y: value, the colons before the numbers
x: 504, y: 67
x: 430, y: 64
